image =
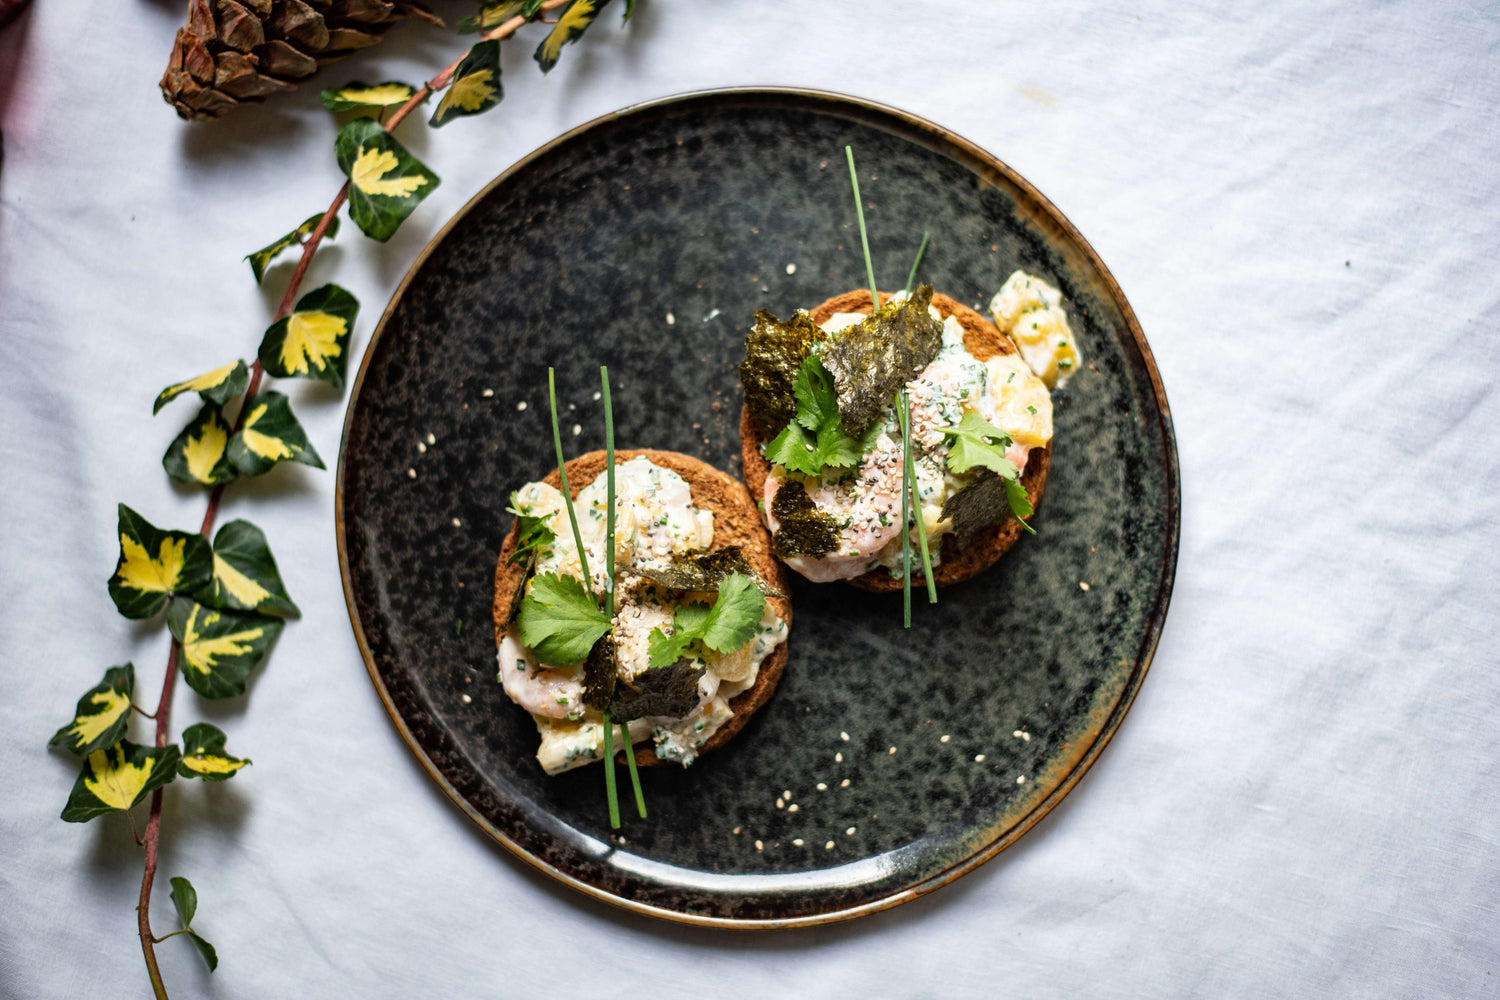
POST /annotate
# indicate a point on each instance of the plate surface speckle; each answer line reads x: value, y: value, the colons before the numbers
x: 645, y: 241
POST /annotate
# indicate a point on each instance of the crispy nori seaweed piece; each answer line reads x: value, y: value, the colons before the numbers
x: 804, y: 530
x: 774, y: 351
x: 869, y: 362
x: 702, y: 572
x: 978, y: 505
x: 666, y: 691
x: 599, y: 673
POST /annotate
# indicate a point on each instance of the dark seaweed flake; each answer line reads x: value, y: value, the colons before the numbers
x: 803, y: 529
x: 670, y: 692
x: 872, y: 360
x: 774, y: 351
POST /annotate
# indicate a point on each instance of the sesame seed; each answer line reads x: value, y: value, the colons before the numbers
x: 979, y: 758
x: 421, y: 448
x: 787, y: 796
x: 838, y: 758
x: 465, y: 699
x: 892, y: 751
x: 797, y: 841
x: 737, y: 830
x: 844, y: 783
x: 1083, y: 586
x: 828, y: 846
x: 457, y: 523
x: 844, y: 737
x: 791, y: 269
x: 671, y: 320
x: 488, y: 393
x: 1020, y: 779
x: 944, y: 739
x: 780, y: 804
x: 792, y: 808
x: 596, y: 396
x: 849, y: 832
x: 759, y: 846
x: 431, y: 439
x: 822, y: 786
x: 521, y: 405
x: 577, y: 429
x: 411, y: 473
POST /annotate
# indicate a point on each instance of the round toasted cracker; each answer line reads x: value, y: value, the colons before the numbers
x: 736, y: 522
x: 983, y: 340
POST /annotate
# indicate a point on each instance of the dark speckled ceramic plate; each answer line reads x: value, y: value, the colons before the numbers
x: 646, y: 240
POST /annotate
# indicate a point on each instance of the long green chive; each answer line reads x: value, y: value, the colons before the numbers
x: 910, y: 474
x: 901, y: 416
x: 864, y: 239
x: 911, y: 279
x: 609, y: 773
x: 609, y: 546
x: 562, y: 472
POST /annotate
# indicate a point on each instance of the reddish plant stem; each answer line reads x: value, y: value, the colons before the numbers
x: 257, y: 374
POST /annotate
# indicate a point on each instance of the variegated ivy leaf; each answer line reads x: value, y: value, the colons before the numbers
x: 185, y: 901
x: 115, y: 779
x: 270, y: 434
x: 218, y: 386
x: 492, y: 15
x: 386, y: 183
x: 155, y: 564
x: 219, y: 648
x: 201, y: 452
x: 102, y: 714
x: 357, y: 96
x: 245, y: 574
x: 261, y: 259
x: 203, y: 757
x: 475, y: 87
x: 313, y: 341
x: 574, y: 22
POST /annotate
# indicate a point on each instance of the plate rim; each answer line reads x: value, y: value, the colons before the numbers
x: 1156, y: 616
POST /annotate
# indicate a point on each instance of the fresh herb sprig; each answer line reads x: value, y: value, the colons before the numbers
x: 903, y: 414
x: 816, y: 439
x: 723, y: 627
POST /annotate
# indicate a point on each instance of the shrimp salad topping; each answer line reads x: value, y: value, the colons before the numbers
x: 1005, y: 391
x: 655, y: 523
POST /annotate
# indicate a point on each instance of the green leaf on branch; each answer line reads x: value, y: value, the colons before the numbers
x: 155, y: 564
x: 976, y: 443
x: 492, y: 15
x: 261, y: 259
x: 200, y: 454
x: 185, y: 901
x: 569, y: 28
x: 476, y: 85
x: 559, y: 620
x: 102, y: 715
x: 270, y: 434
x: 218, y: 386
x: 115, y: 779
x: 629, y: 11
x: 313, y: 341
x: 357, y: 96
x: 245, y: 577
x: 386, y: 183
x: 203, y: 756
x: 219, y: 648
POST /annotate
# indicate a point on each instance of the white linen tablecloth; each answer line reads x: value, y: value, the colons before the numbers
x: 1301, y: 201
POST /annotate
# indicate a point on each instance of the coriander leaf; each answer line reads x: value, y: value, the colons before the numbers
x: 690, y: 618
x: 532, y: 533
x: 795, y: 449
x: 1020, y: 505
x: 976, y: 442
x: 664, y: 649
x: 735, y: 615
x: 559, y: 620
x: 813, y: 389
x: 815, y: 439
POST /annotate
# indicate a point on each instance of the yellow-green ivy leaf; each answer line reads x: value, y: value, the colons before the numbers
x: 115, y: 779
x: 357, y: 96
x: 219, y: 648
x: 386, y: 183
x: 261, y: 259
x: 629, y: 11
x: 203, y: 756
x: 475, y: 87
x: 313, y: 342
x: 574, y: 22
x: 492, y: 15
x: 102, y: 714
x: 218, y: 386
x: 245, y: 574
x: 155, y: 564
x: 200, y: 453
x: 185, y: 901
x: 270, y: 434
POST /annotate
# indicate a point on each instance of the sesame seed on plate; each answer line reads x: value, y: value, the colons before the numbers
x: 844, y: 783
x: 838, y: 758
x: 822, y: 786
x: 849, y: 832
x: 828, y: 846
x: 411, y: 473
x: 945, y: 739
x: 488, y: 393
x: 521, y: 405
x: 792, y: 808
x: 979, y: 758
x: 797, y: 841
x: 759, y: 846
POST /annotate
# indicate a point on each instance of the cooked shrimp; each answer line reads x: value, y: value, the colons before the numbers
x: 539, y: 690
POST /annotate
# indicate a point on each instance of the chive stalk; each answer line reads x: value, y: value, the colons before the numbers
x: 910, y: 474
x: 562, y: 472
x: 609, y: 773
x: 902, y: 417
x: 864, y: 239
x: 609, y: 556
x: 911, y: 279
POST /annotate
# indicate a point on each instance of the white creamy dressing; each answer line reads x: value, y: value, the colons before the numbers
x: 1003, y: 390
x: 654, y: 521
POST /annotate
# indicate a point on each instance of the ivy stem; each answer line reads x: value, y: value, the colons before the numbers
x: 163, y: 713
x: 159, y: 940
x: 149, y: 715
x: 130, y: 817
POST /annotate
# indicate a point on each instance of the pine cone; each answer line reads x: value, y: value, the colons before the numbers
x: 234, y: 51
